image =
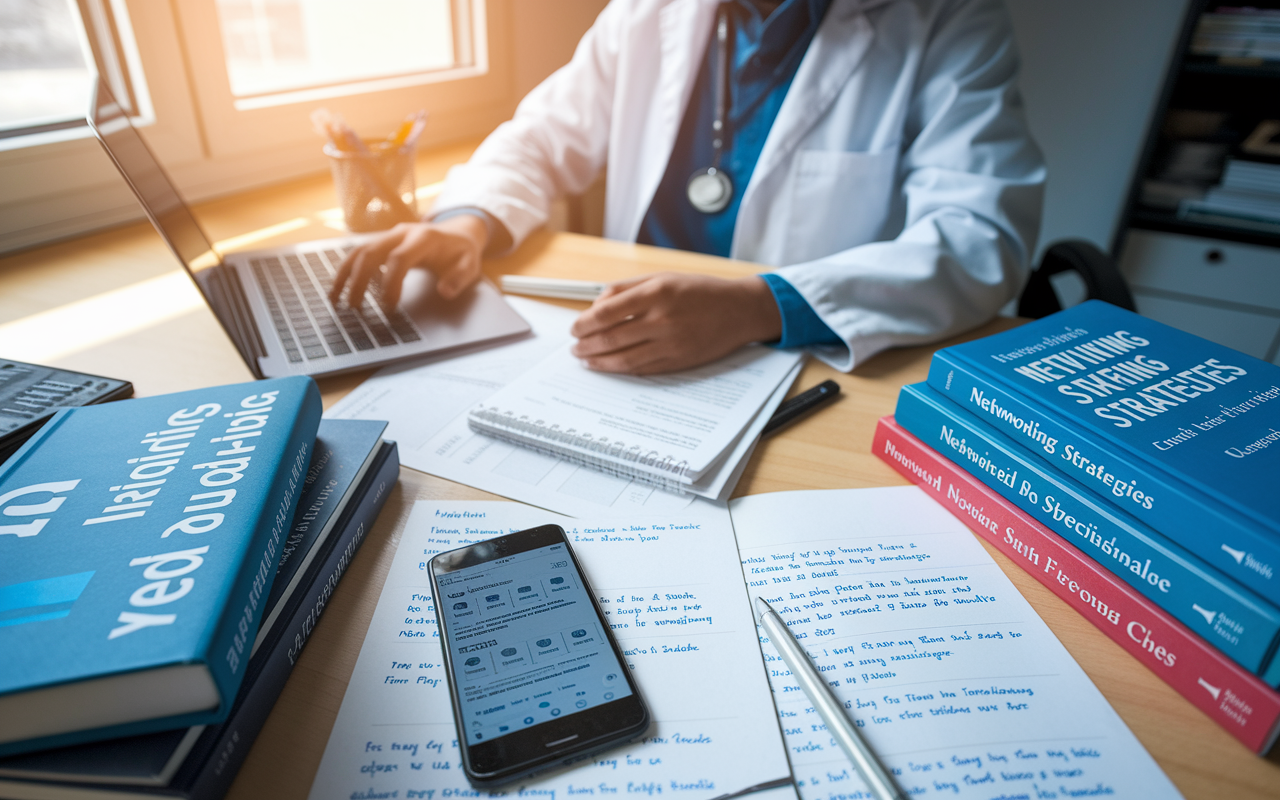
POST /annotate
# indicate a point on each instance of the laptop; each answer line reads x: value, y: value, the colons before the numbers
x: 274, y: 303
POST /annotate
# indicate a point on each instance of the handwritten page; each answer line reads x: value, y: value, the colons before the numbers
x: 673, y: 592
x: 426, y: 405
x: 950, y: 675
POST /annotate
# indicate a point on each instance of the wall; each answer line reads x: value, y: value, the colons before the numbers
x: 546, y: 32
x: 1091, y: 77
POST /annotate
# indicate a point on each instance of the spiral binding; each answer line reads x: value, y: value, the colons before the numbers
x: 611, y: 457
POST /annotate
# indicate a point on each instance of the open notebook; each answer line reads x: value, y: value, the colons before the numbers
x: 952, y: 677
x: 672, y: 430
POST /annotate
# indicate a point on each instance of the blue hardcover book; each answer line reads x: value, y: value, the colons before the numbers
x: 200, y: 762
x: 138, y: 546
x: 1236, y: 621
x: 1182, y: 433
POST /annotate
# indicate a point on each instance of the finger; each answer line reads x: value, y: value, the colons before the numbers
x: 619, y: 286
x: 644, y: 358
x: 406, y: 255
x: 340, y: 279
x: 607, y: 312
x: 366, y: 266
x: 363, y: 263
x: 458, y: 275
x: 612, y: 340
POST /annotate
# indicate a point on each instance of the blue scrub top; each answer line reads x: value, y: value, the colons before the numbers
x: 765, y: 54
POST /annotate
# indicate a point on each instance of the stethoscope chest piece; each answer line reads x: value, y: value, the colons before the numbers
x: 710, y: 190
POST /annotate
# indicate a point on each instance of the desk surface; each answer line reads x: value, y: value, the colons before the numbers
x: 170, y: 342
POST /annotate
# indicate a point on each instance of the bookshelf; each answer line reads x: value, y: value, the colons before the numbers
x: 1200, y: 241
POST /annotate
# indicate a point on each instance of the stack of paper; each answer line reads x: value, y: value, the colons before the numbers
x: 427, y: 404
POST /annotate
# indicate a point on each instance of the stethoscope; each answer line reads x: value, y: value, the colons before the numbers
x: 710, y: 190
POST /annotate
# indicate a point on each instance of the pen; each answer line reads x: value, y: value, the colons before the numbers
x: 800, y: 405
x: 869, y: 768
x: 551, y: 287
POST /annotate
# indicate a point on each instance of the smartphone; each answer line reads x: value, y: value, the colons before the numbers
x: 534, y: 672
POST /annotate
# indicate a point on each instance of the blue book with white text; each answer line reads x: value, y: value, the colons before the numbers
x: 1182, y: 433
x: 138, y: 544
x: 1239, y: 623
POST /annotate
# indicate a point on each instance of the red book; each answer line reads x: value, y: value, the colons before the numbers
x: 1234, y: 698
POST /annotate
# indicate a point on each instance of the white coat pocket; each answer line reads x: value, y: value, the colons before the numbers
x: 838, y: 200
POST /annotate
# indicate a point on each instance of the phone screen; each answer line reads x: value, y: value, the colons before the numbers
x: 527, y: 649
x: 526, y: 644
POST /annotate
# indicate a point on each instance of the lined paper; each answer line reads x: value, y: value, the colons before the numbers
x: 950, y: 675
x: 673, y: 593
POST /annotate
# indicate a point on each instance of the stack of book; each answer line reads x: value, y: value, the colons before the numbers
x: 1249, y: 192
x: 162, y: 563
x: 1238, y: 32
x: 1132, y: 469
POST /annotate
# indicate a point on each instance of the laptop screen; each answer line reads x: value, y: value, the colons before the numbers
x: 155, y: 191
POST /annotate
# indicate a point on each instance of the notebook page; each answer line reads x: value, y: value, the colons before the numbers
x: 951, y: 676
x: 690, y: 418
x: 674, y: 595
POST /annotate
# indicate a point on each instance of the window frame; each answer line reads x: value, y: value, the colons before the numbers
x: 58, y: 183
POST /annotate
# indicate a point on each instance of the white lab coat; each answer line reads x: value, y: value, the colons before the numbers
x: 898, y: 189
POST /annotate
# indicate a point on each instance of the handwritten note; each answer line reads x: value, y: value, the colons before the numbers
x: 672, y: 591
x: 949, y: 674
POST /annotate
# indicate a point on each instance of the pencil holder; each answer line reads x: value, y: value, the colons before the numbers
x: 375, y: 188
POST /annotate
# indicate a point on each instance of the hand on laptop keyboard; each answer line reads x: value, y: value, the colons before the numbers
x: 451, y: 249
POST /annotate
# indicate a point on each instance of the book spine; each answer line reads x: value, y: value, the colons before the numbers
x: 1239, y: 702
x: 231, y: 644
x: 1225, y: 539
x: 1240, y: 624
x: 226, y: 746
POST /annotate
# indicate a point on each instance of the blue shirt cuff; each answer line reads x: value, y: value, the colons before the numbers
x: 801, y: 325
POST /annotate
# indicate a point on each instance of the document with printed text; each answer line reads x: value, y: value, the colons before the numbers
x: 426, y: 404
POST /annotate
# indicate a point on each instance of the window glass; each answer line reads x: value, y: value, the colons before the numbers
x: 44, y: 74
x: 281, y: 45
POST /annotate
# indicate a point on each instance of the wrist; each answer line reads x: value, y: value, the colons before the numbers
x: 470, y: 226
x: 761, y: 320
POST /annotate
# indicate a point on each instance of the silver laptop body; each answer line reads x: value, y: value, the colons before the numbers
x: 274, y: 303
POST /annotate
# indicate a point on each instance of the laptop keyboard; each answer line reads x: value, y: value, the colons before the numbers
x: 296, y: 290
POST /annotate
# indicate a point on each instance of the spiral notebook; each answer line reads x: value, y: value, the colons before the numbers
x: 668, y: 430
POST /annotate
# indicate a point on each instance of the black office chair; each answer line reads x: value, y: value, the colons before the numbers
x: 1101, y: 276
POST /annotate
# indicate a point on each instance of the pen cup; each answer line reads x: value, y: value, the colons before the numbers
x: 375, y: 188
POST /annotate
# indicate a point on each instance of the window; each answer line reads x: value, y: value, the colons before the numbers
x: 274, y: 61
x: 332, y: 47
x: 49, y: 53
x: 223, y: 91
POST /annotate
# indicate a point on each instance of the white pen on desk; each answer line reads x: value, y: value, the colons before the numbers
x: 561, y: 288
x: 873, y: 773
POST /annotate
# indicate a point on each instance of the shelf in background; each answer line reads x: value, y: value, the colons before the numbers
x: 1169, y: 222
x: 1269, y: 69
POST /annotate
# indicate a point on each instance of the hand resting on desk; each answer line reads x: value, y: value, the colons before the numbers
x: 671, y: 321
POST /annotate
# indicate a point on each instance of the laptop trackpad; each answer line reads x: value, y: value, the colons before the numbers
x: 479, y: 313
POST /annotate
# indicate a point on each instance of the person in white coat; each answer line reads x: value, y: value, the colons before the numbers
x: 876, y: 153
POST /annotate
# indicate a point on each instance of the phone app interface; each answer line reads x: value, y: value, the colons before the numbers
x: 526, y: 643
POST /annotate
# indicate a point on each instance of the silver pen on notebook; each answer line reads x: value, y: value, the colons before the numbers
x: 878, y: 780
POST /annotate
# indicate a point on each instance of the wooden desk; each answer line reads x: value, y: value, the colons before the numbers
x: 170, y: 352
